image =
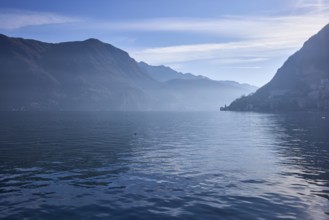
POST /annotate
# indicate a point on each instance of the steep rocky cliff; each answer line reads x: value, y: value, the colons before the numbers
x: 301, y: 84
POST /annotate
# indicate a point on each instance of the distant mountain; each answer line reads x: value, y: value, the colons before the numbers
x: 92, y: 75
x: 190, y: 92
x: 205, y: 94
x: 164, y: 73
x: 301, y: 84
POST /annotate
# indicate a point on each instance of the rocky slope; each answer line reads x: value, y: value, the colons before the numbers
x: 301, y: 84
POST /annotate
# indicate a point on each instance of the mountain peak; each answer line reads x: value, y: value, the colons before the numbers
x: 98, y: 43
x: 3, y: 36
x: 92, y: 75
x: 301, y: 84
x: 93, y: 41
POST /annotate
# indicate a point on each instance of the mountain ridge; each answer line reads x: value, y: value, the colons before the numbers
x: 300, y: 84
x: 165, y: 73
x: 93, y: 75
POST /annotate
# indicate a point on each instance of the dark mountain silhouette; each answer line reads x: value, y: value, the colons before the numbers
x: 69, y: 76
x: 301, y: 84
x: 92, y: 75
x: 165, y: 73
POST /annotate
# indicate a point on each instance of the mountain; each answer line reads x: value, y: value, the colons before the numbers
x: 204, y: 94
x: 92, y: 75
x: 301, y: 84
x: 186, y: 91
x: 164, y: 73
x: 69, y: 76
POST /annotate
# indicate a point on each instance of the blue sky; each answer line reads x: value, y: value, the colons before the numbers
x: 241, y: 40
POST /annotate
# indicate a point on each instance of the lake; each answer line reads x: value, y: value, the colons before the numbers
x: 164, y: 165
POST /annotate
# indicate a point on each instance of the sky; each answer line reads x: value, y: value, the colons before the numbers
x: 240, y: 40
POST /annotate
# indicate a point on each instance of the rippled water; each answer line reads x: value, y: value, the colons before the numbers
x: 211, y: 165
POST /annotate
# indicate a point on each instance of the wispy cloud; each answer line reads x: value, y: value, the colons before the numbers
x: 313, y: 17
x: 252, y: 49
x: 238, y: 26
x: 257, y: 36
x: 243, y: 67
x: 239, y: 60
x: 237, y: 52
x: 312, y: 5
x: 254, y: 36
x: 14, y: 19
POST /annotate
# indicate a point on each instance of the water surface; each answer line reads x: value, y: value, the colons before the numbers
x: 160, y: 165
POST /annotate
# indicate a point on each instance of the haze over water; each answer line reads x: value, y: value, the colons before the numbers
x: 160, y: 165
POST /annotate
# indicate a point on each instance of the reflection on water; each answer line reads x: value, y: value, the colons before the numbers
x: 99, y: 165
x: 304, y: 148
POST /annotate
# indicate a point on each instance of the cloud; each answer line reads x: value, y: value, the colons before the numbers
x: 224, y: 53
x: 233, y: 26
x: 313, y: 17
x: 257, y: 37
x: 313, y: 6
x: 243, y: 67
x: 13, y: 19
x: 239, y: 60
